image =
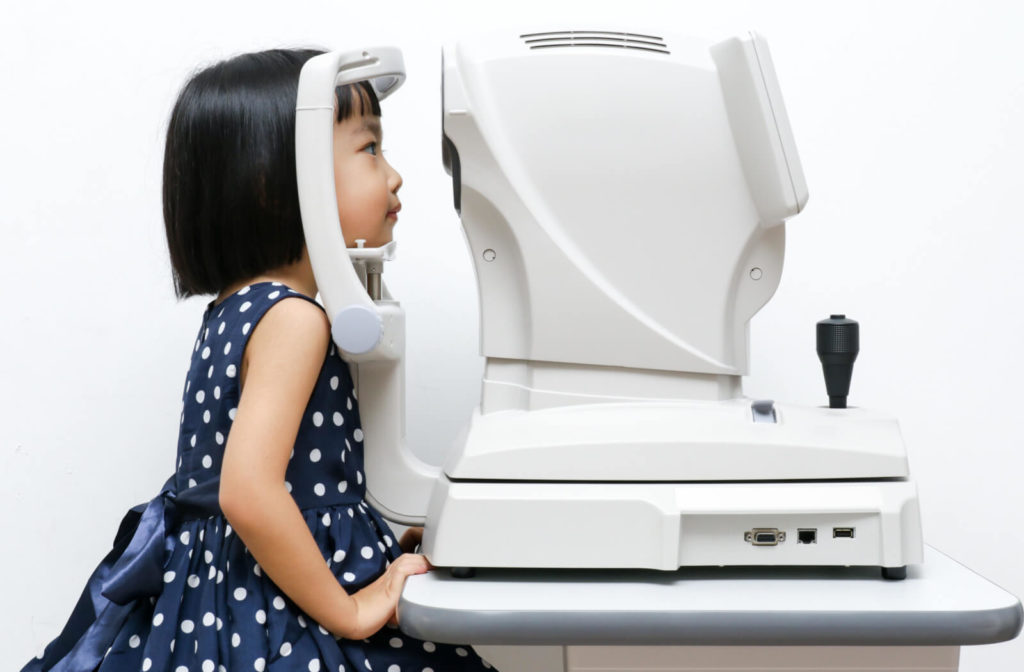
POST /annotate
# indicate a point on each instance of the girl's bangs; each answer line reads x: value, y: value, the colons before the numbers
x: 356, y: 99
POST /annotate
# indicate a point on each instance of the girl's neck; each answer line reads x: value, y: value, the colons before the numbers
x: 297, y: 276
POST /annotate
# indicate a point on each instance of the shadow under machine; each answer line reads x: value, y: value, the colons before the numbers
x: 624, y: 199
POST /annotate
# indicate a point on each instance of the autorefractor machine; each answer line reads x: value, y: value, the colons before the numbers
x: 624, y: 200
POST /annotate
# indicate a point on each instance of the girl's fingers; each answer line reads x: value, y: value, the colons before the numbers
x: 412, y: 563
x: 405, y: 566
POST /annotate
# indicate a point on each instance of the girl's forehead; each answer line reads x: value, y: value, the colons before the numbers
x: 364, y: 122
x: 358, y: 128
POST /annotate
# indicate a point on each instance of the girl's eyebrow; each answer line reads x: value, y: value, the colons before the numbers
x: 372, y: 125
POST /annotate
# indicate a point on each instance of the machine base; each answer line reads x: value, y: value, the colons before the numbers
x: 670, y: 525
x: 889, y: 573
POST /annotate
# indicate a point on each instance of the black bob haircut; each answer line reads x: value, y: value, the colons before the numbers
x: 230, y: 195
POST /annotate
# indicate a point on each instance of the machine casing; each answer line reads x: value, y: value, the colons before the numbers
x: 623, y: 197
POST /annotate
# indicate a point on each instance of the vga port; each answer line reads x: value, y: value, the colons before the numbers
x: 764, y: 536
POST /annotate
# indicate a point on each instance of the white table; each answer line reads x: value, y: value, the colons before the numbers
x: 714, y: 618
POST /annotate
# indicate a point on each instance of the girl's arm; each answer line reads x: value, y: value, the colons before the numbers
x: 411, y: 538
x: 279, y: 369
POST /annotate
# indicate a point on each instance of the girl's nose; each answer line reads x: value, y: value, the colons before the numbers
x: 394, y: 179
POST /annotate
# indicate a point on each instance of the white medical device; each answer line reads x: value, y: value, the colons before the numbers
x: 624, y: 197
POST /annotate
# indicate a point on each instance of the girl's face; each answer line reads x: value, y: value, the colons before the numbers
x: 366, y: 184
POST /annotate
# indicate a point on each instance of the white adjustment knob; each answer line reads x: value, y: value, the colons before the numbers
x: 356, y: 329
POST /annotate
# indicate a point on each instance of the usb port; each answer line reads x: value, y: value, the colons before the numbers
x: 842, y: 532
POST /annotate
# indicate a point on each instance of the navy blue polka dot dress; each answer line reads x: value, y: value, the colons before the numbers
x: 180, y: 592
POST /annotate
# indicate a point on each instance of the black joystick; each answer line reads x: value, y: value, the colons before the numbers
x: 838, y: 345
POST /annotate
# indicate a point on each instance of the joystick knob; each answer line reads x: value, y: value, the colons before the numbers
x: 838, y: 345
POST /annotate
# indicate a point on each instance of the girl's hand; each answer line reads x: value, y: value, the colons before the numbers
x: 377, y: 603
x: 411, y: 539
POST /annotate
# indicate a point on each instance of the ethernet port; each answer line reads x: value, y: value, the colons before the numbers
x: 807, y: 536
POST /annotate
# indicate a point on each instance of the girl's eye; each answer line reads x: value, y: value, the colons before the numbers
x: 371, y: 148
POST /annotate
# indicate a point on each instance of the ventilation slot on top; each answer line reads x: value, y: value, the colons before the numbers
x: 595, y: 38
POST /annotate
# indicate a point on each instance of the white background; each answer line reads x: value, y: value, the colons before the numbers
x: 908, y: 118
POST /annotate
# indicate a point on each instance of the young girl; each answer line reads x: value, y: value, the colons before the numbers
x: 259, y: 553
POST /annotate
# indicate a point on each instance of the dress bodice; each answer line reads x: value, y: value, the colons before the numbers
x: 324, y: 470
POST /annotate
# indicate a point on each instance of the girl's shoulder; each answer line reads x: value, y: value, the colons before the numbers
x: 292, y: 324
x: 255, y: 299
x: 262, y: 317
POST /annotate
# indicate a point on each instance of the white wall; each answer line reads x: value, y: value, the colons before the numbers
x: 908, y: 120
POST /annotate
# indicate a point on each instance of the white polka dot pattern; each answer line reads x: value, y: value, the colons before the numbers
x: 214, y: 592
